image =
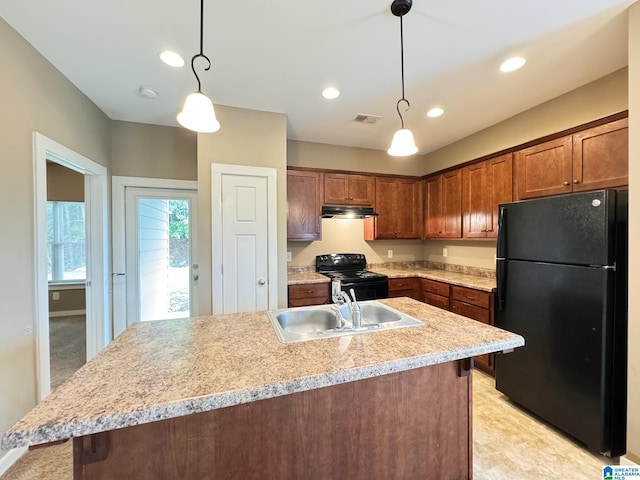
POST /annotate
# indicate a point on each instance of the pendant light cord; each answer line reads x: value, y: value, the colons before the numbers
x: 402, y: 75
x: 201, y: 54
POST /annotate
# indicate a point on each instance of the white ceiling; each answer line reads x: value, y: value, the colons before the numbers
x: 278, y: 55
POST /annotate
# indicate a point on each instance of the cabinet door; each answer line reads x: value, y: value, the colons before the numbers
x: 544, y: 169
x: 347, y: 189
x: 452, y: 204
x: 336, y: 188
x: 601, y: 157
x: 304, y: 204
x: 386, y: 221
x: 361, y: 190
x: 475, y: 200
x: 408, y: 208
x: 500, y: 189
x: 433, y: 207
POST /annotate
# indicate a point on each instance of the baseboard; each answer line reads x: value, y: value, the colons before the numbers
x: 67, y: 313
x: 10, y: 458
x: 629, y: 460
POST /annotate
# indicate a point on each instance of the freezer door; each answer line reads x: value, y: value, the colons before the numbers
x: 574, y: 229
x: 564, y: 371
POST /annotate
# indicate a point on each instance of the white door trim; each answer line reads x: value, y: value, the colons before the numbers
x: 217, y: 171
x: 118, y: 203
x: 98, y: 305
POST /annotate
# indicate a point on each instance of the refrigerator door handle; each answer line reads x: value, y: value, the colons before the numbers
x: 501, y: 275
x: 501, y: 244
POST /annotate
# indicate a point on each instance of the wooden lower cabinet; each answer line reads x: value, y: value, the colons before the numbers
x: 477, y: 305
x: 306, y: 294
x: 411, y: 424
x: 436, y: 293
x: 405, y: 287
x: 468, y: 302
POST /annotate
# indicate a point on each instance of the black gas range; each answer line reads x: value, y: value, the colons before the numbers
x: 350, y: 270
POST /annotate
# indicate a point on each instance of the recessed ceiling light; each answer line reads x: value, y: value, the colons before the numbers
x: 512, y: 64
x: 330, y: 93
x: 435, y: 112
x: 172, y: 59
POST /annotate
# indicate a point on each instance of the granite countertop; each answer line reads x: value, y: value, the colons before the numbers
x: 462, y: 279
x: 169, y: 368
x: 307, y: 277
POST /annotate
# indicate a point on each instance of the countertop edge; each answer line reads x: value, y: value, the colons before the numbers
x: 52, y: 433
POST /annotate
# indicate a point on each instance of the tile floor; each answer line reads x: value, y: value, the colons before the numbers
x: 509, y: 444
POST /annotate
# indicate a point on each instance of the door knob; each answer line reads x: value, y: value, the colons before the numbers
x: 261, y: 281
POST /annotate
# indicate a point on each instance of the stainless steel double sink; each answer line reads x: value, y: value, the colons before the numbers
x: 313, y: 323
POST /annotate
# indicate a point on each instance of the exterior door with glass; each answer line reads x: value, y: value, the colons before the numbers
x: 160, y: 273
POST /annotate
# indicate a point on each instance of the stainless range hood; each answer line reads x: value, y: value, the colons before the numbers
x: 333, y: 211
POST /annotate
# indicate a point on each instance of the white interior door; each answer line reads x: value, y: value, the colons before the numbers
x: 244, y: 253
x: 160, y: 272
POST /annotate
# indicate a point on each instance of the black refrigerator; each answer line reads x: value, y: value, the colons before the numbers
x: 561, y: 269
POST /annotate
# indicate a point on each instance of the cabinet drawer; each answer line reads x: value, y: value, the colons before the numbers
x: 471, y: 311
x: 438, y: 288
x: 309, y: 290
x: 436, y: 300
x: 469, y: 295
x: 402, y: 284
x: 308, y: 301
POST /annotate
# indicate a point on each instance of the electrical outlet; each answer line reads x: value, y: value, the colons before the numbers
x: 445, y: 251
x: 389, y: 253
x: 288, y: 256
x: 55, y: 296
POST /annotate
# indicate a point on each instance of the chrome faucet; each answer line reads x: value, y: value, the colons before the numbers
x: 356, y: 313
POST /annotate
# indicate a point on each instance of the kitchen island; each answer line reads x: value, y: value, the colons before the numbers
x: 221, y: 397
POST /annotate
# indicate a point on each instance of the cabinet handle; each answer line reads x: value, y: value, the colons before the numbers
x: 566, y: 184
x: 350, y: 198
x: 575, y: 181
x: 469, y: 297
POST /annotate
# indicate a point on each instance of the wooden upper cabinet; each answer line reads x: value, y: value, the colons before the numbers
x: 588, y: 160
x: 443, y: 208
x: 601, y: 157
x: 398, y: 204
x: 544, y: 169
x: 348, y: 189
x: 485, y: 185
x: 304, y: 205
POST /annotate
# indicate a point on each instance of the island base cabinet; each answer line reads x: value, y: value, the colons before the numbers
x: 410, y: 424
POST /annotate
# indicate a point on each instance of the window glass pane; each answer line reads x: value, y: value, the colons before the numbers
x: 67, y: 239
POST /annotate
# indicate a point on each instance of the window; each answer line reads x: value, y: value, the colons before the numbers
x: 66, y: 239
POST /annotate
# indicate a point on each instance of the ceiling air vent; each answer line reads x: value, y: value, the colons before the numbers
x: 366, y: 118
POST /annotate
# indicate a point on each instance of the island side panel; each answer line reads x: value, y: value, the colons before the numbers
x: 410, y: 424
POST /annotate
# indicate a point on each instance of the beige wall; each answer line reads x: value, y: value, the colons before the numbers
x: 153, y: 151
x: 69, y: 299
x: 246, y: 137
x: 335, y: 157
x: 36, y: 97
x: 633, y: 398
x: 64, y: 184
x: 595, y: 100
x: 347, y: 236
x: 480, y: 254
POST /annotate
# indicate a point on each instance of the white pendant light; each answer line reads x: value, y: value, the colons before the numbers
x: 197, y: 113
x: 402, y: 144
